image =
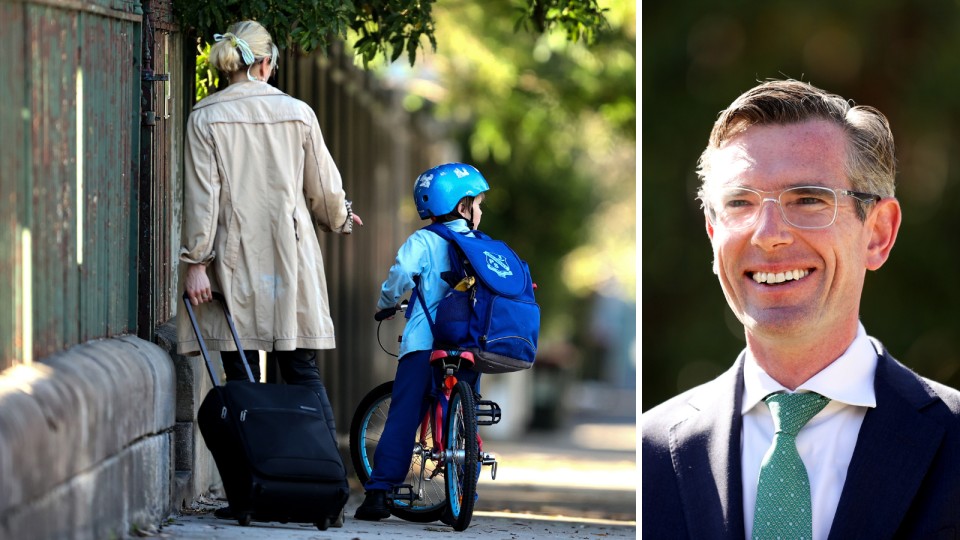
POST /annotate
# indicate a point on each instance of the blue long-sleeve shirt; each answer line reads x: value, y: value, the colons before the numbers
x: 424, y: 254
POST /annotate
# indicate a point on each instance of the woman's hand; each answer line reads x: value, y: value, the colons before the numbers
x: 358, y: 221
x: 197, y: 284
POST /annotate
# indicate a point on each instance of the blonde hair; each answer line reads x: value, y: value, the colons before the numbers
x: 871, y: 154
x: 227, y: 58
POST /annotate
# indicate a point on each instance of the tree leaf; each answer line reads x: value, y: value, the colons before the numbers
x: 397, y: 51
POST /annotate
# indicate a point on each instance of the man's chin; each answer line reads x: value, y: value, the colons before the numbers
x: 779, y: 323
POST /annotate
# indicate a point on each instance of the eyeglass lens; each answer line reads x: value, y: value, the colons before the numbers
x: 806, y: 207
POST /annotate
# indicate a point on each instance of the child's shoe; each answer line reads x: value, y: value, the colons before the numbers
x: 374, y: 507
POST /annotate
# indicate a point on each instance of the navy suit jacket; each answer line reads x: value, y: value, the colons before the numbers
x: 903, y: 480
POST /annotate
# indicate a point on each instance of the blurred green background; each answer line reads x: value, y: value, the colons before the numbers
x: 551, y: 124
x: 898, y: 56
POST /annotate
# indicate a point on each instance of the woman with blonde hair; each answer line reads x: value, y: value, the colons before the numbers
x: 258, y: 182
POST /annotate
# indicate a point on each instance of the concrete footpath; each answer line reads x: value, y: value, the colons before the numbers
x: 579, y: 482
x: 201, y: 524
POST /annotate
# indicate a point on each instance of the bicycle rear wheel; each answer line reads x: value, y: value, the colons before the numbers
x: 365, y: 431
x: 460, y: 438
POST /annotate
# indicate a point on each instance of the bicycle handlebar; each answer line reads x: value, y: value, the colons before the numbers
x: 390, y: 312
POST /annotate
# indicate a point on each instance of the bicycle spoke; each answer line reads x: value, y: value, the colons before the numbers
x: 437, y: 490
x: 368, y: 430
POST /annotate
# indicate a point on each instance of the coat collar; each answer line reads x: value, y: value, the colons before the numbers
x: 239, y: 91
x: 894, y: 449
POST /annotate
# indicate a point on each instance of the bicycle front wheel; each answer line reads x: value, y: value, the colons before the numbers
x: 462, y: 465
x: 365, y: 431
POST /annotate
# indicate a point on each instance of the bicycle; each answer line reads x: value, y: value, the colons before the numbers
x: 439, y: 455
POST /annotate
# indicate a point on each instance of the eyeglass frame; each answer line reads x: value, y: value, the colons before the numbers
x: 860, y: 196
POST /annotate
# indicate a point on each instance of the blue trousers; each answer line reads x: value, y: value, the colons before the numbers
x: 412, y: 387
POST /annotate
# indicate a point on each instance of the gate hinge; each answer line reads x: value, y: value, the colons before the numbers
x: 150, y: 77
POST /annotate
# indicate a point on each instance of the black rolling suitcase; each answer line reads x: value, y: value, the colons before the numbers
x: 272, y: 447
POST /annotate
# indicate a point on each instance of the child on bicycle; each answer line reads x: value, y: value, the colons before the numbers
x: 450, y: 194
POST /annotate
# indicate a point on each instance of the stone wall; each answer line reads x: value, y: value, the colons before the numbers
x: 87, y: 441
x: 195, y: 471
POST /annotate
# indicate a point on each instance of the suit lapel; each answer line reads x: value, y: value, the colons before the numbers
x: 705, y: 448
x: 894, y: 449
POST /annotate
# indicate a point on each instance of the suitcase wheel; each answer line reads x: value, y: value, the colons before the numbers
x: 324, y: 525
x: 244, y: 519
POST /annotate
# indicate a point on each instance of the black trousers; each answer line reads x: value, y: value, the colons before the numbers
x: 296, y: 367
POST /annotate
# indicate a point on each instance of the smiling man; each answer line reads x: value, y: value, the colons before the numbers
x: 815, y: 432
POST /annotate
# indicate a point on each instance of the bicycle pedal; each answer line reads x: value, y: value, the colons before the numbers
x: 488, y: 413
x: 491, y: 460
x: 396, y: 493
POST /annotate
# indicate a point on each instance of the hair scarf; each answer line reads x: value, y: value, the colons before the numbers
x: 245, y: 51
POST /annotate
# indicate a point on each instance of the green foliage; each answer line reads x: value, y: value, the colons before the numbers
x: 528, y: 112
x: 308, y: 24
x: 393, y: 25
x: 207, y: 77
x: 386, y: 28
x: 576, y: 18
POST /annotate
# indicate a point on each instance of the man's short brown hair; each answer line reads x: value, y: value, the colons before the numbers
x: 871, y: 155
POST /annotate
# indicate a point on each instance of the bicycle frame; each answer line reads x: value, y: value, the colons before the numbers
x: 434, y: 420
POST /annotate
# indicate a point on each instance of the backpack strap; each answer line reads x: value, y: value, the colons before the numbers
x: 423, y: 304
x: 440, y: 230
x: 444, y: 232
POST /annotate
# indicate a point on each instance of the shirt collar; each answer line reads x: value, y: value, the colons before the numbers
x: 848, y: 379
x: 458, y: 225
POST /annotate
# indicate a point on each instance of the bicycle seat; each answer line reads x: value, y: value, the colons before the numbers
x: 455, y: 359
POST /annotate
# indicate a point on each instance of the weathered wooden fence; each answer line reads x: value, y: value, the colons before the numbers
x: 69, y: 121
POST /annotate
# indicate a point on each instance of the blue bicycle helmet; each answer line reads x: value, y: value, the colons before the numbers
x: 439, y: 189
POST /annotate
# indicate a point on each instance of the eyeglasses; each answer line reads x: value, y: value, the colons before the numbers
x: 805, y: 207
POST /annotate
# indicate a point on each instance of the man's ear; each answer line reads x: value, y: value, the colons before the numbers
x: 882, y: 226
x: 709, y: 227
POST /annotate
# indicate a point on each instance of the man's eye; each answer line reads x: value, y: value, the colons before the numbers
x: 738, y: 203
x: 809, y: 200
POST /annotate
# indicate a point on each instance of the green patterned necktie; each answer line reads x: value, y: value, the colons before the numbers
x: 783, y: 494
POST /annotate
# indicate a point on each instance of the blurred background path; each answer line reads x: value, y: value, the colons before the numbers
x: 587, y: 469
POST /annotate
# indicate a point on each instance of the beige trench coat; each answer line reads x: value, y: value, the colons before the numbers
x: 258, y: 180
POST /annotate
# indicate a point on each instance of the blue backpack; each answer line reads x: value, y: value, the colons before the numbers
x: 497, y: 319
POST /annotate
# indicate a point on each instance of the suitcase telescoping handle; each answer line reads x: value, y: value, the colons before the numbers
x: 203, y: 347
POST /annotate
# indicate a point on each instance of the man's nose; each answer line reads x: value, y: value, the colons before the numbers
x: 771, y: 229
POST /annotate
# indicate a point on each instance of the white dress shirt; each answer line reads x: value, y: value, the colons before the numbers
x: 826, y: 443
